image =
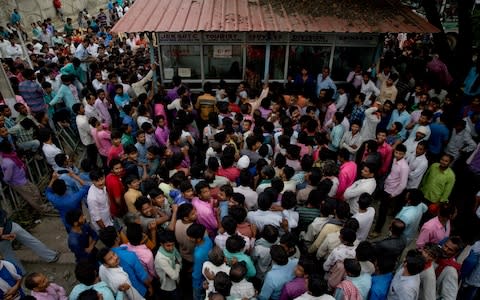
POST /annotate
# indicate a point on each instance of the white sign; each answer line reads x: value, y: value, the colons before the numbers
x: 169, y: 72
x: 185, y: 72
x: 222, y: 51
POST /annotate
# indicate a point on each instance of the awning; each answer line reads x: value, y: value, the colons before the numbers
x: 353, y: 16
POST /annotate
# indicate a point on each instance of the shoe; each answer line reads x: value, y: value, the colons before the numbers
x: 374, y: 235
x: 56, y: 258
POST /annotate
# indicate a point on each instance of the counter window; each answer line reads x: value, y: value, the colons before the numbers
x: 181, y: 60
x: 346, y: 58
x: 223, y: 61
x: 314, y: 58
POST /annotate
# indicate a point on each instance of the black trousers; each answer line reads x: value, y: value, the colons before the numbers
x: 387, y: 202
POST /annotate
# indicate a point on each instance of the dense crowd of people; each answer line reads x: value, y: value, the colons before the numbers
x: 308, y: 190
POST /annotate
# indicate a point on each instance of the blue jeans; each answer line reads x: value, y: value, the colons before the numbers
x: 32, y: 145
x: 29, y: 241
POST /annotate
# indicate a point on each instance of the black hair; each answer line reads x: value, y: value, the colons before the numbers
x: 270, y: 233
x: 96, y: 174
x: 30, y: 282
x: 415, y: 262
x: 73, y: 216
x: 365, y: 251
x: 235, y: 243
x: 364, y: 201
x: 185, y: 186
x: 397, y: 227
x: 238, y: 212
x: 200, y: 186
x: 59, y: 187
x: 134, y: 234
x: 239, y: 198
x: 289, y: 200
x: 229, y: 224
x: 184, y: 211
x: 348, y: 235
x: 61, y: 159
x: 102, y: 253
x: 265, y: 200
x: 279, y: 255
x: 317, y: 286
x: 86, y: 273
x: 245, y: 178
x: 140, y: 202
x: 415, y: 196
x: 222, y: 283
x: 238, y: 271
x: 108, y: 236
x: 352, y: 267
x: 166, y: 236
x: 401, y: 148
x: 196, y: 231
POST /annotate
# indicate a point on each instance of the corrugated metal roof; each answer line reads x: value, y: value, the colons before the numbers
x: 253, y: 15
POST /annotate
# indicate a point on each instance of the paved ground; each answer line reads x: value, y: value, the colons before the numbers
x: 52, y: 232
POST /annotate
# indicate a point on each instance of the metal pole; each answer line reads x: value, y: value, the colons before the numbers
x: 152, y: 60
x: 24, y: 48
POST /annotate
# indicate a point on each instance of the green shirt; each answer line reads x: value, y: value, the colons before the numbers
x: 437, y: 184
x: 126, y: 139
x: 68, y: 29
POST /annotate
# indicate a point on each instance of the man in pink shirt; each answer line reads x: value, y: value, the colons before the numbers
x: 136, y: 244
x: 395, y: 183
x: 438, y: 228
x: 205, y: 212
x: 347, y: 174
x: 385, y: 150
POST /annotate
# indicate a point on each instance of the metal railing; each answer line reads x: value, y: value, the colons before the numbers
x: 39, y: 172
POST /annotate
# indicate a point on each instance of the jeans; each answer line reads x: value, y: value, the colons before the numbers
x: 29, y: 241
x: 32, y: 145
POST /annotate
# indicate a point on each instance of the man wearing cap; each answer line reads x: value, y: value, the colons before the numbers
x: 461, y: 141
x: 411, y: 144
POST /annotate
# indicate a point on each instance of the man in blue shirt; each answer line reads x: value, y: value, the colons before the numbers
x: 381, y: 280
x: 128, y: 261
x: 203, y: 245
x: 279, y: 275
x: 324, y: 82
x: 400, y: 115
x: 64, y: 202
x: 412, y: 213
x: 439, y: 135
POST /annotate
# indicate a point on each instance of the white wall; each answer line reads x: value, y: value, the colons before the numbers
x: 35, y: 10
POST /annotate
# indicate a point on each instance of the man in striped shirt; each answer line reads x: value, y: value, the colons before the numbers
x: 32, y: 91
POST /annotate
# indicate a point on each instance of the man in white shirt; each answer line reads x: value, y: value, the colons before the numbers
x: 365, y: 216
x: 448, y: 269
x: 3, y: 47
x: 14, y: 50
x: 263, y: 215
x: 406, y: 282
x: 369, y: 89
x: 411, y: 144
x: 365, y: 185
x: 332, y: 240
x: 50, y: 150
x: 344, y: 250
x: 418, y: 165
x: 97, y: 201
x: 84, y: 130
x: 250, y: 195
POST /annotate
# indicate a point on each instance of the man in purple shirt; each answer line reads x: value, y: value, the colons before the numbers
x: 14, y: 175
x: 395, y: 183
x: 203, y: 204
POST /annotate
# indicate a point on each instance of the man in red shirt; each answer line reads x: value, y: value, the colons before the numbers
x: 115, y: 189
x: 385, y: 150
